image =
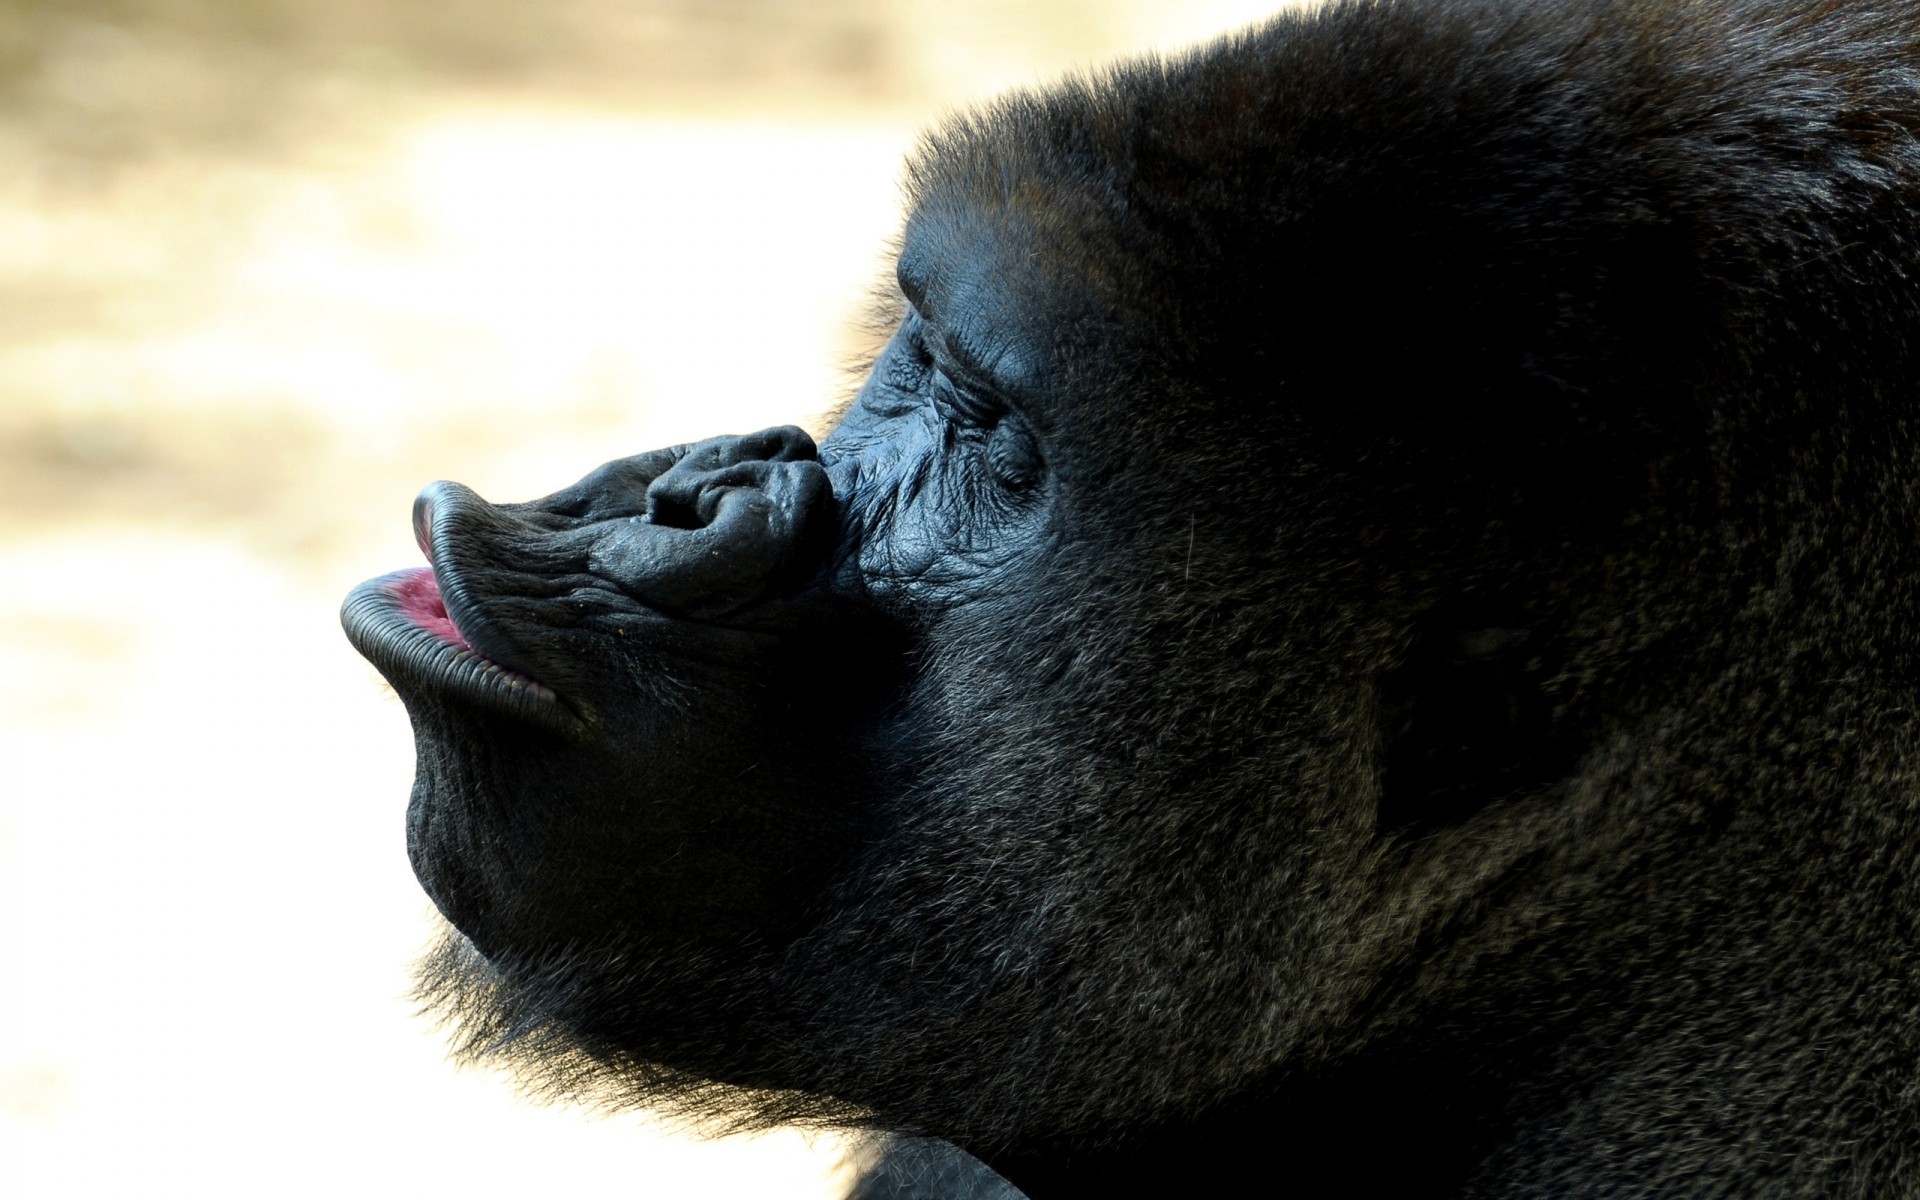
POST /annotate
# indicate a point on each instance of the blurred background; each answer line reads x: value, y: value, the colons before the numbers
x: 266, y: 267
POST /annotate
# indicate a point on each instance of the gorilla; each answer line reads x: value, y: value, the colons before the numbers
x: 1509, y: 789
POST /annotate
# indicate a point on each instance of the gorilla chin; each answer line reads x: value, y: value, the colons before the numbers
x: 1361, y: 627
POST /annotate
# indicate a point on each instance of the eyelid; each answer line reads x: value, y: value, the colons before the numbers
x: 958, y: 399
x: 958, y: 358
x: 960, y: 389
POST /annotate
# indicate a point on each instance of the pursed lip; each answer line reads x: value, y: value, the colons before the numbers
x: 437, y: 512
x: 401, y: 624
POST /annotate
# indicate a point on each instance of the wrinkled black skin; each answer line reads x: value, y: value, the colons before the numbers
x: 1363, y: 628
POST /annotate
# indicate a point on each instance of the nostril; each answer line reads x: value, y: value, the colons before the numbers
x: 773, y: 465
x: 673, y: 508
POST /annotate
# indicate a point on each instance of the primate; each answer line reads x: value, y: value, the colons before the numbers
x: 1362, y: 628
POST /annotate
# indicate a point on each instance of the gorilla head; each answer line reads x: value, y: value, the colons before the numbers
x: 1369, y: 600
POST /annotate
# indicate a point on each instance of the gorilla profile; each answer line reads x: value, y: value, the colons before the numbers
x: 1364, y: 626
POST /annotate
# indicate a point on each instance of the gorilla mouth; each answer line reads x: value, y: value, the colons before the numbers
x: 400, y: 622
x: 417, y: 592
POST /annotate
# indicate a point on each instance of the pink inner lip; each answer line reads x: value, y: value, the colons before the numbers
x: 418, y: 594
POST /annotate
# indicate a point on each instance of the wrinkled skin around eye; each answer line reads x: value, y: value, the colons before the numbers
x: 932, y: 514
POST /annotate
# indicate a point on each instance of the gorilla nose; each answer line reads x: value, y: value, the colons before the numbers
x: 690, y: 493
x: 732, y: 521
x: 698, y: 531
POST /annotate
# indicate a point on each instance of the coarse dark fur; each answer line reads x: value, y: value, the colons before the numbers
x: 1363, y: 628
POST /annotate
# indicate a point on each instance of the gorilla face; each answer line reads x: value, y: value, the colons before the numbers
x: 689, y: 654
x: 1277, y: 630
x: 741, y: 703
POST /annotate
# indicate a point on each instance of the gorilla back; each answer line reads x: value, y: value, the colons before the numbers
x: 1507, y: 789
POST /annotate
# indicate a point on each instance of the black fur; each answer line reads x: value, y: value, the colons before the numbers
x: 1363, y: 628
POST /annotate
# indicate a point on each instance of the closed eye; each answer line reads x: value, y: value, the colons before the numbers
x: 962, y: 404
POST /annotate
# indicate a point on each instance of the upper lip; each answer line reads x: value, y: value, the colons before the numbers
x: 436, y: 511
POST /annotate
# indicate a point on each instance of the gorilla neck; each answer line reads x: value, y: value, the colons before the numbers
x: 1716, y: 929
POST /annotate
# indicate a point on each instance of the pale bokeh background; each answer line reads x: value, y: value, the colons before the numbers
x: 265, y: 268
